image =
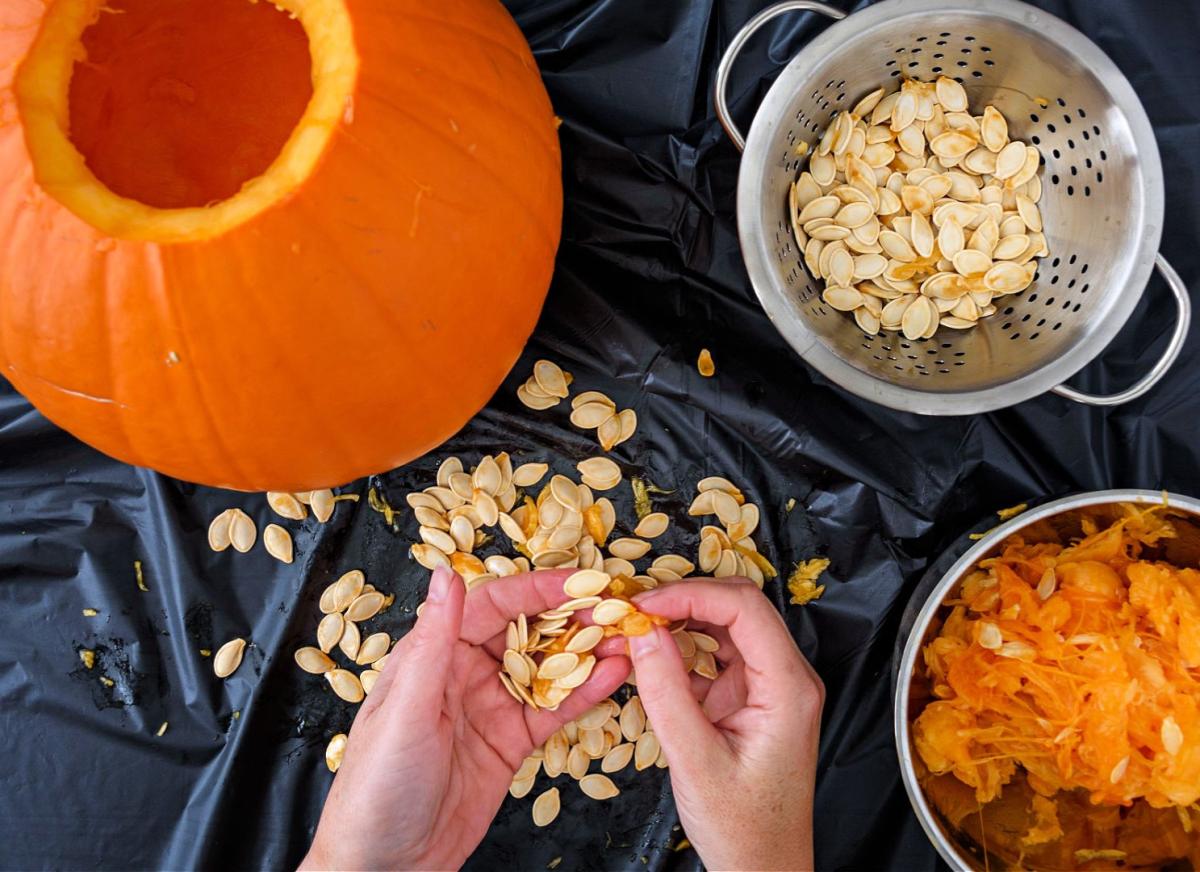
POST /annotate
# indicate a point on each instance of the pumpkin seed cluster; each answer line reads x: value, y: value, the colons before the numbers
x: 918, y: 214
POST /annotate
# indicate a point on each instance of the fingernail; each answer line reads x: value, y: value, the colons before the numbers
x: 644, y: 644
x: 439, y: 585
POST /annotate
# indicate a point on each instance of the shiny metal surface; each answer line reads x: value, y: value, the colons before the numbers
x: 930, y: 601
x: 1102, y: 202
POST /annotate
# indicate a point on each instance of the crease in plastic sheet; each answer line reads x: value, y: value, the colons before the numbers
x: 648, y: 273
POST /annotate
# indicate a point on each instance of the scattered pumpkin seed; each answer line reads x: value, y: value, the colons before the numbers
x: 546, y: 807
x: 229, y: 657
x: 313, y: 660
x: 345, y: 684
x: 322, y: 502
x: 242, y: 532
x: 218, y: 531
x: 278, y: 543
x: 705, y: 365
x: 334, y: 751
x: 598, y: 786
x: 286, y: 506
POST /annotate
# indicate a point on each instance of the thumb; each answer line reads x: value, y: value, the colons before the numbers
x: 419, y: 677
x: 663, y: 684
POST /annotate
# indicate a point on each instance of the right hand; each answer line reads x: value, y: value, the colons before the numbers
x: 743, y: 756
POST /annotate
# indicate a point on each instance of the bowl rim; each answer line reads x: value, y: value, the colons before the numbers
x: 778, y: 301
x: 933, y: 602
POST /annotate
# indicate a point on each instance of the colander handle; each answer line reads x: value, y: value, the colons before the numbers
x: 1174, y: 346
x: 735, y: 47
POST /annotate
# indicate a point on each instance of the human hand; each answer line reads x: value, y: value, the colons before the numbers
x: 742, y: 749
x: 434, y: 747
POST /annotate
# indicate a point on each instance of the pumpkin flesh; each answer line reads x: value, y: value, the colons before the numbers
x: 178, y: 103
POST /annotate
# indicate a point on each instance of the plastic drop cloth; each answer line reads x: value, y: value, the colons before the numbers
x: 648, y: 273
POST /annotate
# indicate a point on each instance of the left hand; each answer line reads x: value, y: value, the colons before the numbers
x: 434, y: 747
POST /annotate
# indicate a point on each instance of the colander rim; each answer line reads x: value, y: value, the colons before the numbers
x: 782, y: 305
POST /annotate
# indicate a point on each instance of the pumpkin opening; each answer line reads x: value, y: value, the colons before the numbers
x: 179, y: 120
x: 178, y: 103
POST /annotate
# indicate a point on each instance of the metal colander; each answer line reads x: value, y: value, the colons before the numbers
x: 1102, y: 201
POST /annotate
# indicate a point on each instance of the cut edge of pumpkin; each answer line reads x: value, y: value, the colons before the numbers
x: 42, y: 90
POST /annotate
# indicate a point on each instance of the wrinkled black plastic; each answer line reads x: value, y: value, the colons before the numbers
x: 649, y: 271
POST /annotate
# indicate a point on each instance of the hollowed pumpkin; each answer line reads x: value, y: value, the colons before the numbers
x: 269, y: 246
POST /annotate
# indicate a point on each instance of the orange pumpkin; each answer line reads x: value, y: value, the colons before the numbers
x: 269, y: 246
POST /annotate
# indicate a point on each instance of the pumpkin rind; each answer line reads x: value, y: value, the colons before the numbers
x: 345, y: 329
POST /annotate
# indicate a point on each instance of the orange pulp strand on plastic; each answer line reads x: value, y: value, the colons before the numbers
x: 1093, y: 681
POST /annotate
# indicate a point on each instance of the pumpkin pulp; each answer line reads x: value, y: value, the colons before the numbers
x: 178, y: 120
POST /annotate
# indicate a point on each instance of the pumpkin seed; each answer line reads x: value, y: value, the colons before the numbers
x: 585, y: 640
x: 647, y: 751
x: 428, y: 556
x: 586, y: 583
x: 229, y: 657
x: 1171, y: 735
x: 335, y: 751
x: 609, y: 433
x: 633, y: 549
x: 618, y: 758
x: 609, y: 611
x: 550, y: 378
x: 589, y: 416
x: 367, y: 679
x: 536, y: 403
x: 351, y: 638
x: 993, y: 129
x: 652, y: 526
x: 558, y: 665
x: 1010, y: 160
x: 633, y: 719
x: 599, y: 469
x: 242, y: 532
x: 329, y: 631
x: 598, y: 786
x: 372, y: 648
x: 951, y: 94
x: 322, y: 502
x: 628, y: 420
x: 278, y: 543
x: 313, y: 660
x: 345, y: 684
x: 286, y: 506
x: 218, y: 530
x: 546, y: 807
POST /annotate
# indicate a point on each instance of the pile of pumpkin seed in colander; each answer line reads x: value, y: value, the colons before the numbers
x: 918, y: 214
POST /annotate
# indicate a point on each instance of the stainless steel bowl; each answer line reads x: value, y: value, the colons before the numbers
x: 942, y: 577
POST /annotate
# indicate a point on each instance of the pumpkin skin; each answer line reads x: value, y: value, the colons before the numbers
x: 344, y: 322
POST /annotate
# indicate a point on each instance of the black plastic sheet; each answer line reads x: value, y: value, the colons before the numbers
x: 648, y: 273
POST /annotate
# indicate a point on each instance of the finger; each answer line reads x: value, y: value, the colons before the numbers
x: 606, y: 677
x: 417, y: 678
x: 727, y: 695
x: 755, y: 628
x: 666, y: 692
x: 491, y: 606
x: 700, y: 687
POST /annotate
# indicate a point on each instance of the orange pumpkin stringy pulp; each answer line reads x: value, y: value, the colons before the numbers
x: 1071, y: 668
